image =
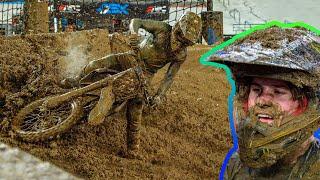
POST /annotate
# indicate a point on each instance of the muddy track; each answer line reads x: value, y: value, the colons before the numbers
x: 187, y: 135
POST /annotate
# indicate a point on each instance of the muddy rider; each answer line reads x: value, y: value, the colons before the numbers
x: 276, y: 104
x: 168, y: 46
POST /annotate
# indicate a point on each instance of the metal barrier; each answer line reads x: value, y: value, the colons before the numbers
x: 237, y: 28
x: 113, y: 15
x: 225, y: 2
x: 178, y: 7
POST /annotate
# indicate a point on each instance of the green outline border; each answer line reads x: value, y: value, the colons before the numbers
x: 205, y: 57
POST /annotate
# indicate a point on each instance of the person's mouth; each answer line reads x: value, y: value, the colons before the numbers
x: 265, y: 118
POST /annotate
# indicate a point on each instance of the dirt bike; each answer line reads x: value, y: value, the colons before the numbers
x: 50, y: 116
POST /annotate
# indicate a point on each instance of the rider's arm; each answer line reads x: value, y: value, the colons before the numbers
x: 171, y: 72
x: 119, y: 61
x: 149, y: 25
x: 168, y: 79
x: 160, y: 31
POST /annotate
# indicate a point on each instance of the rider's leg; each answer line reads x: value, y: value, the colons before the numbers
x: 120, y: 61
x: 134, y: 115
x: 110, y: 62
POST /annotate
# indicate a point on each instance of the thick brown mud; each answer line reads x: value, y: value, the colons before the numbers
x: 31, y: 66
x: 186, y: 137
x: 271, y: 37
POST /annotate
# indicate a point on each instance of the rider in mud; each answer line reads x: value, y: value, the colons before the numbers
x: 168, y: 46
x: 276, y: 104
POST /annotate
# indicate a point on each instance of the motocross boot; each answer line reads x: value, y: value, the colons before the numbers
x: 134, y: 115
x: 68, y: 83
x: 71, y: 82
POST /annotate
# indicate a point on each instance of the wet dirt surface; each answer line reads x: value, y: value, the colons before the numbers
x: 32, y: 65
x: 185, y: 137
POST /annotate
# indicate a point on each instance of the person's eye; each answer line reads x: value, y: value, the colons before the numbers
x: 256, y: 89
x: 279, y: 92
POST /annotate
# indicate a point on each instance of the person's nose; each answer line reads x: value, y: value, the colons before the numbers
x: 265, y: 97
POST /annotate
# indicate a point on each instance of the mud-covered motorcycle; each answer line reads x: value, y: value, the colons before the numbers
x: 50, y: 116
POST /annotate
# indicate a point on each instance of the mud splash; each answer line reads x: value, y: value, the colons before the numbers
x: 30, y: 67
x: 75, y: 61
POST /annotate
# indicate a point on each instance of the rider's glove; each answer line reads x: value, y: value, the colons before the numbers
x: 157, y: 100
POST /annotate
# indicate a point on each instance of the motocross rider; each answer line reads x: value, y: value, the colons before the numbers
x: 276, y: 103
x: 168, y: 46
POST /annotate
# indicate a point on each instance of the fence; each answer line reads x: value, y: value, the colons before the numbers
x: 178, y: 7
x: 11, y: 17
x: 237, y: 28
x: 225, y: 2
x: 75, y: 15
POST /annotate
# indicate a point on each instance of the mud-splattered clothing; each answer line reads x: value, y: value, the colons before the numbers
x: 238, y: 171
x: 156, y: 52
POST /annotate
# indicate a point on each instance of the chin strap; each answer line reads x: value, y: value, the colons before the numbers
x: 307, y: 123
x: 262, y: 145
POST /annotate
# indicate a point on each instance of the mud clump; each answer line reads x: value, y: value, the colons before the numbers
x: 270, y: 38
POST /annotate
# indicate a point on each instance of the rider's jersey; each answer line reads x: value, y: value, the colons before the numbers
x: 156, y: 52
x: 300, y: 170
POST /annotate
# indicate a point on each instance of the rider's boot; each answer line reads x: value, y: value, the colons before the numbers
x: 68, y: 83
x: 133, y: 152
x: 134, y: 115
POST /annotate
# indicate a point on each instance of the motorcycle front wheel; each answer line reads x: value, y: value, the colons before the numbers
x: 36, y: 122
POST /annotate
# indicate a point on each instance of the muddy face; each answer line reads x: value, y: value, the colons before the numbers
x: 272, y: 108
x: 270, y: 101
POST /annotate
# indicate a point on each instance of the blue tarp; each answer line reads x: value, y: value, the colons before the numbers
x: 113, y: 8
x: 211, y: 36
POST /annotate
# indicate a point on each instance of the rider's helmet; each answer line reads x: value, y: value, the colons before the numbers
x: 288, y: 54
x: 188, y: 28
